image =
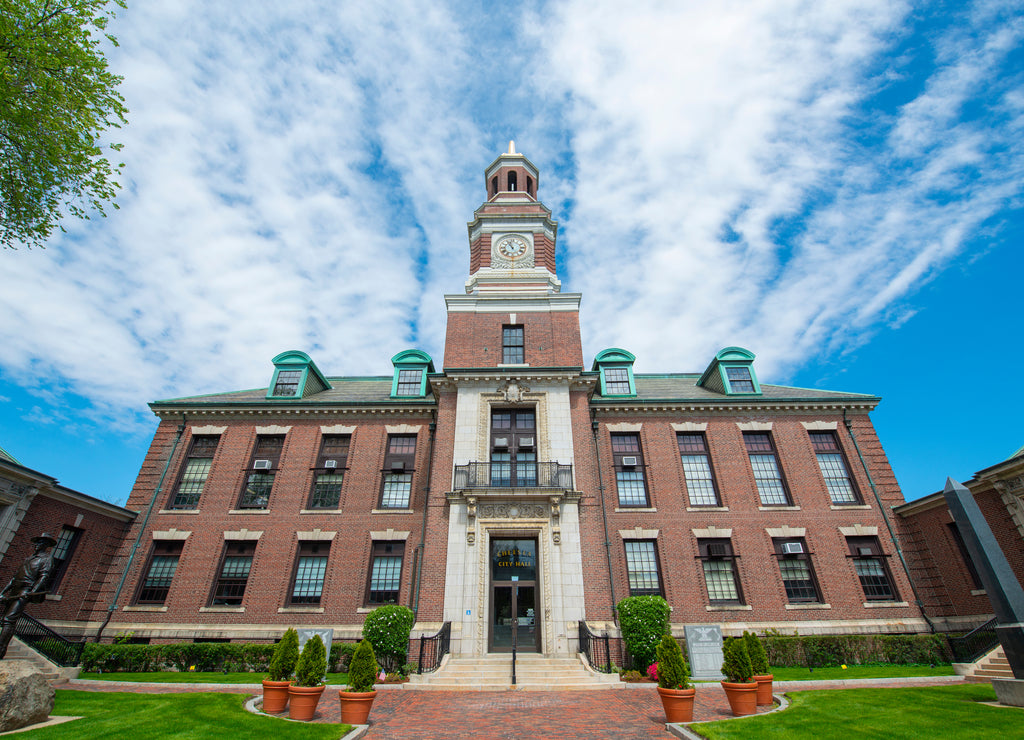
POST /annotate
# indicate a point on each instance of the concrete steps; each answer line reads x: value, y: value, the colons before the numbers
x: 533, y: 672
x: 18, y: 650
x: 992, y: 665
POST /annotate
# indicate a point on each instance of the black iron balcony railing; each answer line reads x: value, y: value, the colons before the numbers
x: 57, y: 648
x: 596, y: 648
x: 433, y: 649
x: 513, y: 475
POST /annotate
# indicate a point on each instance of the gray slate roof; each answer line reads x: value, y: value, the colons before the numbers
x: 344, y: 391
x: 683, y: 387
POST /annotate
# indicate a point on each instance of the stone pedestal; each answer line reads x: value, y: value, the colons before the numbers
x: 1009, y: 691
x: 26, y: 697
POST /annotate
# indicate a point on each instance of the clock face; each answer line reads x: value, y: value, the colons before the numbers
x: 512, y: 247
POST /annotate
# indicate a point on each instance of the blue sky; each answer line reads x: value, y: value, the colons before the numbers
x: 836, y: 186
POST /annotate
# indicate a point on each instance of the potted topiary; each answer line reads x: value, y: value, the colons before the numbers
x: 310, y: 672
x: 740, y: 688
x: 674, y: 681
x: 279, y: 672
x: 357, y: 700
x: 759, y: 664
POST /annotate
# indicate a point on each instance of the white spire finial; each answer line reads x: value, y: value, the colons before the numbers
x: 511, y: 147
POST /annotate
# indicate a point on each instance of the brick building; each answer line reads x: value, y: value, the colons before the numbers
x: 89, y: 533
x: 951, y: 591
x: 516, y: 479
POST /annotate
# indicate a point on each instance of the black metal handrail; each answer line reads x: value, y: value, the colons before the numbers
x: 434, y: 648
x: 968, y: 648
x: 595, y: 648
x: 57, y: 648
x: 513, y: 475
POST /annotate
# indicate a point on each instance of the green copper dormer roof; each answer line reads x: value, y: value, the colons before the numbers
x: 410, y: 378
x: 616, y: 368
x: 296, y: 376
x: 731, y: 372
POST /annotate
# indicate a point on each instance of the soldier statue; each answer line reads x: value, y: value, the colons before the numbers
x: 28, y: 586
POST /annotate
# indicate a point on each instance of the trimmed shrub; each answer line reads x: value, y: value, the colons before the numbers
x: 758, y: 656
x: 815, y: 651
x: 256, y: 657
x: 736, y: 665
x: 312, y: 666
x: 363, y: 670
x: 286, y: 655
x: 643, y: 619
x: 388, y: 628
x: 673, y: 673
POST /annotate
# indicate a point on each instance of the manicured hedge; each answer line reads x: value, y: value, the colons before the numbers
x: 234, y: 657
x: 815, y: 651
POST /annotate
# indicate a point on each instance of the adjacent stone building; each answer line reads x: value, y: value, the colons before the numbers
x: 517, y: 478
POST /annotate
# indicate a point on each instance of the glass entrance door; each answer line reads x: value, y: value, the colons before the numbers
x: 514, y: 614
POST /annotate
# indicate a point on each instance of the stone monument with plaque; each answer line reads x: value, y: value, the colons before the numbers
x: 326, y: 633
x: 704, y: 648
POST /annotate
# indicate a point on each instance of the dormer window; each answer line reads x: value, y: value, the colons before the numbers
x: 410, y: 378
x: 296, y: 376
x: 287, y: 382
x: 731, y: 372
x: 616, y: 368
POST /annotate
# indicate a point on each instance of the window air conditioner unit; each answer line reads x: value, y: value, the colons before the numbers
x: 792, y: 548
x: 865, y: 552
x: 398, y: 465
x: 526, y: 442
x: 629, y: 462
x: 500, y: 442
x: 330, y: 463
x: 716, y: 550
x: 261, y: 465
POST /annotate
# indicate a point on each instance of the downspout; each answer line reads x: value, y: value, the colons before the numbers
x: 423, y: 527
x: 142, y: 529
x: 888, y: 525
x: 594, y: 426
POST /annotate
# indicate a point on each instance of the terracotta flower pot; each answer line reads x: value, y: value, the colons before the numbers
x: 764, y: 690
x: 355, y: 706
x: 742, y: 697
x: 678, y: 704
x: 303, y: 700
x: 275, y: 696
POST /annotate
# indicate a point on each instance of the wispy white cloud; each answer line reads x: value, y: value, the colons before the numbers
x: 777, y: 175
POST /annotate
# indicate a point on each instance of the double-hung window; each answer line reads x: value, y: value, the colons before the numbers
x: 287, y: 384
x: 409, y: 382
x: 872, y: 570
x: 193, y: 475
x: 262, y: 469
x: 834, y: 469
x: 700, y: 478
x: 512, y: 345
x: 740, y: 380
x: 235, y: 564
x: 330, y: 472
x: 163, y: 563
x: 310, y: 568
x: 628, y: 461
x: 398, y: 469
x: 764, y: 462
x: 642, y: 568
x: 720, y: 574
x: 385, y: 573
x: 67, y: 541
x: 796, y: 570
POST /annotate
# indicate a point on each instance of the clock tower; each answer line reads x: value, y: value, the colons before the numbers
x: 512, y: 280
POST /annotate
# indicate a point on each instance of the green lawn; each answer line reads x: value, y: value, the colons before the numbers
x: 197, y: 677
x: 860, y: 671
x: 947, y: 712
x: 184, y: 716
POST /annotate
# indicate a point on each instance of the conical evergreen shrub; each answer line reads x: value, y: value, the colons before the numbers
x: 286, y: 655
x: 673, y: 672
x: 363, y: 668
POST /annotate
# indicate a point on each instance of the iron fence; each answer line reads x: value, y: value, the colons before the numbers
x: 434, y: 648
x: 513, y: 475
x: 968, y: 648
x: 57, y: 648
x: 595, y: 648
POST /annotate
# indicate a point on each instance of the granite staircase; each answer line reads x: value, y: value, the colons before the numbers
x: 18, y: 650
x: 991, y: 665
x: 533, y: 673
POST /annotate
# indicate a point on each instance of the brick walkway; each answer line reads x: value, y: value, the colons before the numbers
x: 510, y: 715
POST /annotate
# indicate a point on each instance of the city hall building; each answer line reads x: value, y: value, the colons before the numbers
x: 514, y: 478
